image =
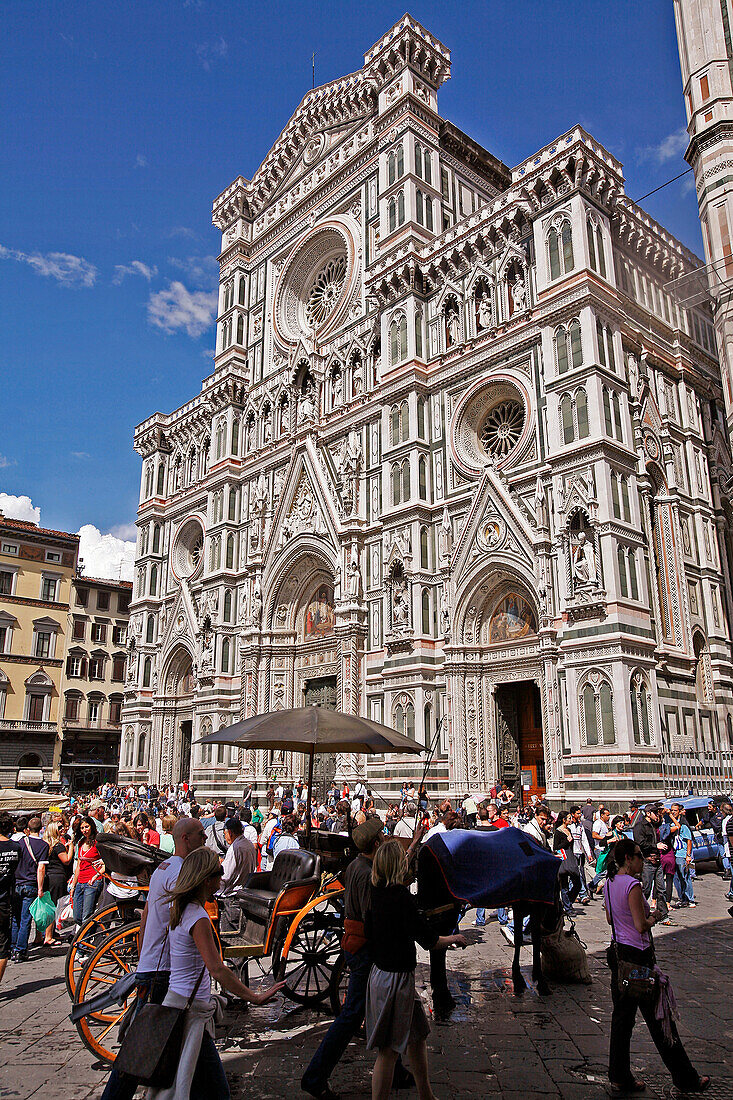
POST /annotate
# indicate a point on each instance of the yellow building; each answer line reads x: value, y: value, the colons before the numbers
x: 94, y: 681
x: 36, y: 571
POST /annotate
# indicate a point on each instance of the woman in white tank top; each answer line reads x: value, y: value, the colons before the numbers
x: 195, y: 960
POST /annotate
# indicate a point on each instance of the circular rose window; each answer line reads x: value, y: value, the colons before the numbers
x: 502, y: 428
x: 491, y: 424
x: 188, y: 549
x: 318, y: 283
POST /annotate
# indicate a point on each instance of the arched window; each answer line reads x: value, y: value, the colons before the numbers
x: 601, y: 343
x: 560, y: 249
x: 156, y: 538
x: 396, y: 483
x: 147, y: 671
x: 576, y: 344
x: 561, y: 350
x: 401, y: 208
x: 405, y: 480
x: 591, y: 243
x: 421, y: 417
x: 640, y: 710
x: 423, y: 478
x: 606, y: 709
x: 232, y: 504
x: 427, y: 172
x: 427, y: 719
x: 160, y: 488
x: 395, y: 425
x: 424, y: 548
x: 410, y: 721
x: 607, y: 411
x: 610, y: 353
x: 553, y: 251
x: 235, y: 437
x: 242, y: 288
x: 418, y: 335
x: 581, y: 410
x: 227, y: 606
x: 425, y: 610
x: 225, y: 648
x: 419, y: 207
x: 394, y: 344
x: 399, y: 718
x: 240, y: 329
x: 614, y: 495
x: 400, y: 161
x: 154, y: 580
x: 220, y: 430
x: 191, y: 467
x: 568, y: 259
x: 403, y: 337
x: 566, y: 416
x: 428, y: 212
x: 617, y: 417
x: 418, y: 159
x: 391, y: 168
x: 148, y: 480
x: 600, y: 252
x: 150, y: 629
x: 405, y: 421
x: 141, y: 751
x: 230, y: 552
x: 392, y: 215
x: 633, y: 579
x: 621, y: 559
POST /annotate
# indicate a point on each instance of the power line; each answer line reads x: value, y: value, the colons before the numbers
x: 662, y: 185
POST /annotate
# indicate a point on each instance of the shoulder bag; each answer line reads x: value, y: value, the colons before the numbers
x: 633, y: 979
x: 151, y: 1047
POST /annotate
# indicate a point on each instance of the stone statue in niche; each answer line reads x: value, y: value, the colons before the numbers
x: 307, y: 404
x: 445, y: 538
x: 584, y: 563
x: 337, y: 389
x: 452, y: 328
x: 445, y: 613
x: 350, y: 472
x: 353, y: 576
x: 633, y: 371
x: 266, y: 426
x: 357, y: 381
x: 399, y: 606
x: 519, y: 294
x: 255, y: 607
x: 540, y: 502
x: 483, y: 311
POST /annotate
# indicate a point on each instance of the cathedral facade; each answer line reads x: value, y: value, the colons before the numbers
x: 461, y: 466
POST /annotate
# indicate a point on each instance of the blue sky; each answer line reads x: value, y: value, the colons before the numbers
x: 121, y: 123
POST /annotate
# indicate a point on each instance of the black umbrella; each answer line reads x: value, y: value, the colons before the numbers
x: 311, y: 730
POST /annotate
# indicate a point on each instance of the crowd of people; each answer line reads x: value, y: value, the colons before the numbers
x: 212, y: 848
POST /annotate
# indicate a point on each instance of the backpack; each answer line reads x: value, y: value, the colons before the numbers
x: 276, y: 832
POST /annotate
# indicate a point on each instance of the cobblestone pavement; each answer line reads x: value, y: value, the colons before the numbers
x: 495, y: 1044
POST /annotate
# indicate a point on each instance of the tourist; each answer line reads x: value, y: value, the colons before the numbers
x: 153, y: 970
x: 582, y: 849
x: 563, y: 844
x: 167, y: 844
x: 239, y: 863
x: 215, y: 839
x: 194, y: 962
x: 30, y: 877
x: 726, y: 829
x: 646, y: 835
x: 58, y: 870
x: 628, y: 913
x: 395, y: 1018
x: 286, y: 839
x: 682, y: 837
x: 145, y: 832
x: 9, y: 860
x: 470, y: 809
x: 406, y: 827
x: 540, y: 826
x: 496, y: 820
x: 86, y: 882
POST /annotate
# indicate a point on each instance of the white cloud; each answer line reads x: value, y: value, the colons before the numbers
x: 106, y: 556
x: 670, y: 147
x: 176, y: 308
x: 19, y: 508
x: 135, y: 267
x: 181, y: 231
x: 124, y: 531
x: 141, y: 161
x: 68, y: 270
x: 81, y: 455
x: 199, y: 269
x: 210, y: 52
x: 5, y: 462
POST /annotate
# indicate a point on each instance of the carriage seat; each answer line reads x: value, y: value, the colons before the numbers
x: 291, y: 867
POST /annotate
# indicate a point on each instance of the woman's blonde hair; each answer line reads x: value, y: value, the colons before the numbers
x: 390, y: 864
x: 51, y: 834
x: 197, y: 867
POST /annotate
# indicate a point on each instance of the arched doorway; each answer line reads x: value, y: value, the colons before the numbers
x: 179, y: 687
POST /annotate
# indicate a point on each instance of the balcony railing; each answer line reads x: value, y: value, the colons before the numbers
x: 82, y: 723
x: 24, y: 726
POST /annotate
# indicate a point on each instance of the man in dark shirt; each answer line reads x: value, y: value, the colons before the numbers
x: 9, y: 860
x: 357, y: 899
x: 646, y: 835
x: 29, y: 878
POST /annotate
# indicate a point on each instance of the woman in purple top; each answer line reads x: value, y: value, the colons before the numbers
x: 628, y: 913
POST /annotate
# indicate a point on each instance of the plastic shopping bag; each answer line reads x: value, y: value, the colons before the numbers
x: 64, y: 915
x: 43, y: 911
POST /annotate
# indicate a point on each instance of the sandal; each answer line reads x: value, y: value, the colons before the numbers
x: 635, y: 1085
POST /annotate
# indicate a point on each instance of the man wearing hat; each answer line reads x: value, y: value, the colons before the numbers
x: 357, y: 895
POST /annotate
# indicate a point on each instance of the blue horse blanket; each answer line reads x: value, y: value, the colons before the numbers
x: 491, y: 869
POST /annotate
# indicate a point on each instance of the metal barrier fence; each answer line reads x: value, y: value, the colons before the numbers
x: 696, y: 773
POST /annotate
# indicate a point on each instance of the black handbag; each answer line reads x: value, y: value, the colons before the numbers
x: 151, y: 1047
x: 633, y: 979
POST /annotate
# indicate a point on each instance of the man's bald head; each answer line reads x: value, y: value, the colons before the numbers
x: 188, y: 835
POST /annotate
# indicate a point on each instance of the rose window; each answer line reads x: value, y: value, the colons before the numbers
x: 188, y: 550
x: 197, y: 549
x: 502, y: 428
x: 326, y: 291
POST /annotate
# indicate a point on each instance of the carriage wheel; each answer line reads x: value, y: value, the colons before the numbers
x: 115, y: 957
x: 86, y: 942
x: 338, y: 985
x: 309, y: 963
